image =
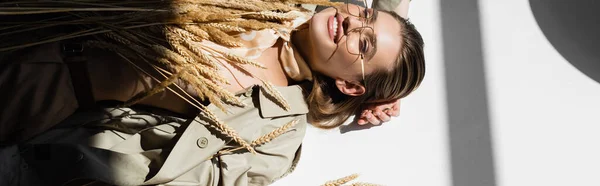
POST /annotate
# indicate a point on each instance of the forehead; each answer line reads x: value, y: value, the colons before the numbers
x: 387, y: 30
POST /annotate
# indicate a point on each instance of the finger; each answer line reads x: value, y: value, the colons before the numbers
x: 377, y: 109
x: 383, y: 117
x: 395, y: 111
x: 362, y: 121
x: 363, y: 117
x: 373, y: 119
x: 388, y: 111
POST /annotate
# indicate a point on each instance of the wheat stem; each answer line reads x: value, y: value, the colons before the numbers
x: 341, y: 181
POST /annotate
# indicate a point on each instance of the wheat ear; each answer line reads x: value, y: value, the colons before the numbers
x: 363, y: 184
x: 226, y: 28
x: 202, y: 56
x: 253, y: 24
x: 202, y: 17
x: 195, y: 29
x: 274, y: 6
x: 169, y: 54
x: 268, y: 15
x: 206, y: 71
x: 156, y: 89
x: 341, y: 181
x: 186, y: 35
x: 274, y: 134
x: 221, y: 37
x: 241, y: 60
x: 229, y: 4
x: 271, y: 91
x: 228, y: 130
x: 215, y: 93
x: 222, y: 93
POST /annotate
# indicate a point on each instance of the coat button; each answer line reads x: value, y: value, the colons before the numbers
x: 202, y: 142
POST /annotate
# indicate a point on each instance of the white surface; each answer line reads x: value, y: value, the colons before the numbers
x: 409, y: 150
x: 545, y: 115
x: 544, y: 112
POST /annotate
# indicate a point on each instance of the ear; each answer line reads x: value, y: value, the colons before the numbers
x: 351, y: 88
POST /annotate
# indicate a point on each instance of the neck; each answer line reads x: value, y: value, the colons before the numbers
x: 302, y: 43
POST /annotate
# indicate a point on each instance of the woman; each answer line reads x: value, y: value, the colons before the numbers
x: 129, y: 146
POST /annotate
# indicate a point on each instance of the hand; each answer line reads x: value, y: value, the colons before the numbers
x: 379, y: 113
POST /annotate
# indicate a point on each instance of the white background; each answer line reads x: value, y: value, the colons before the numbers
x: 409, y: 150
x: 544, y: 115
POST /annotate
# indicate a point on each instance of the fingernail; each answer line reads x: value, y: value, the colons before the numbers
x: 368, y: 115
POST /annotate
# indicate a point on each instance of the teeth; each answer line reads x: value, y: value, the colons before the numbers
x: 335, y: 27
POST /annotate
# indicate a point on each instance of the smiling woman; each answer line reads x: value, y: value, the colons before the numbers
x: 244, y: 79
x: 382, y: 51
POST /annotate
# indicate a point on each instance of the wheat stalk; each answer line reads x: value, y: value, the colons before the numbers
x: 228, y: 131
x: 202, y: 56
x: 184, y: 34
x: 273, y: 134
x: 253, y: 24
x: 364, y: 184
x: 169, y: 54
x: 341, y: 181
x: 271, y: 91
x: 226, y: 28
x: 221, y: 37
x: 240, y: 60
x: 196, y: 30
x: 268, y: 15
x: 223, y: 94
x: 158, y: 88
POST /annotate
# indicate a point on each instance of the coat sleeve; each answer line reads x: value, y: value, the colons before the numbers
x: 36, y: 92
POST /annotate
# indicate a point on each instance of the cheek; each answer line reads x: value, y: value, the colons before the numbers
x: 352, y: 47
x: 346, y: 53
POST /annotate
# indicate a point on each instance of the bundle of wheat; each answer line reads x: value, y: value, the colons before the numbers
x: 163, y: 33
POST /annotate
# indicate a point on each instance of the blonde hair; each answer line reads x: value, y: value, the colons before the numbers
x: 330, y: 108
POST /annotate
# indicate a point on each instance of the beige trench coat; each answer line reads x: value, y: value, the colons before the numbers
x: 132, y: 147
x: 135, y: 147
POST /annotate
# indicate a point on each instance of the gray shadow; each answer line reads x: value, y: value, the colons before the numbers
x: 573, y: 28
x: 354, y: 126
x: 471, y: 153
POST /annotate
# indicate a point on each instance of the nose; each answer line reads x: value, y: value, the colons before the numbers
x: 350, y: 23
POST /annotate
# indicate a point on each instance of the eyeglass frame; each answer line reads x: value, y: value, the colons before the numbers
x: 364, y: 25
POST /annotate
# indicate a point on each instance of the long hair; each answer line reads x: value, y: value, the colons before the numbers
x: 330, y: 108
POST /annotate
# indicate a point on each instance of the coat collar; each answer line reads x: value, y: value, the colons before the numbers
x: 292, y: 94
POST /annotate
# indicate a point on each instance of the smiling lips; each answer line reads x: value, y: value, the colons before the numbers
x: 334, y: 27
